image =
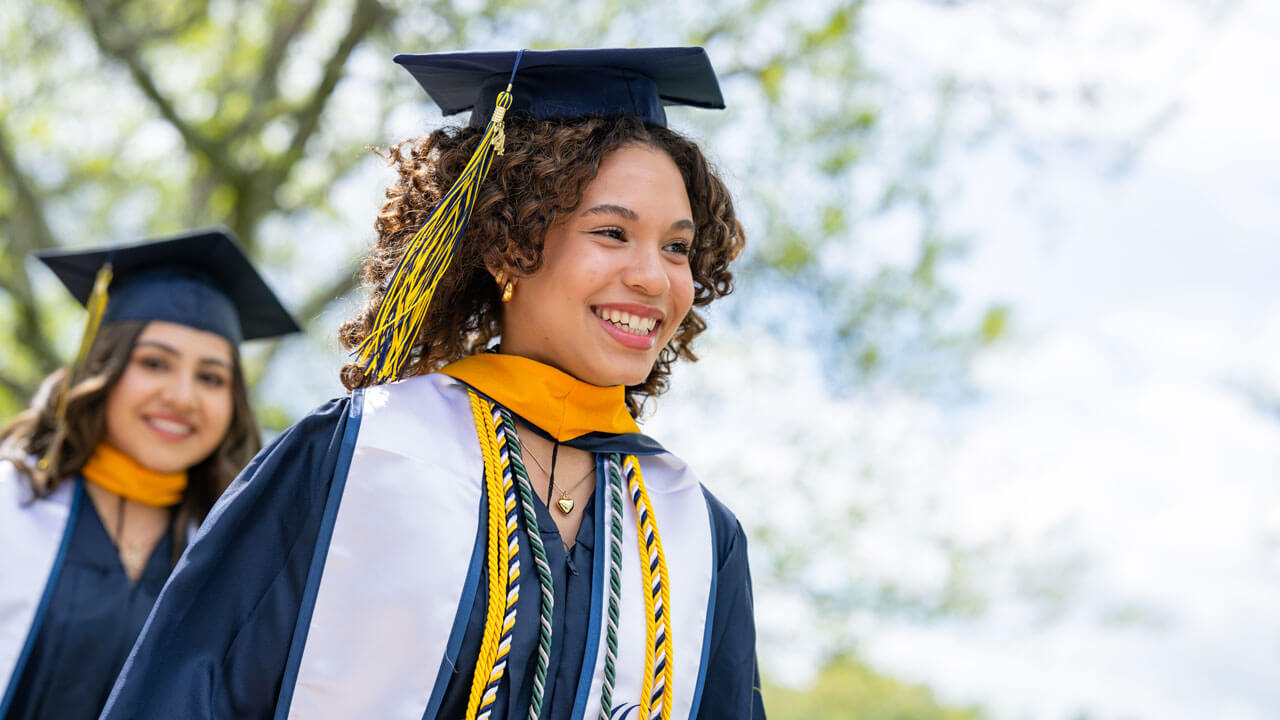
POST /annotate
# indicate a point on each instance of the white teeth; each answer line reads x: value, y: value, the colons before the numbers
x: 633, y: 324
x: 168, y: 426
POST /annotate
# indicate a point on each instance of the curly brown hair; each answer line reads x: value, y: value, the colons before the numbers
x: 540, y: 178
x: 28, y: 436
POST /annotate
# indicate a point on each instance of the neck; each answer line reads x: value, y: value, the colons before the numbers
x: 118, y: 473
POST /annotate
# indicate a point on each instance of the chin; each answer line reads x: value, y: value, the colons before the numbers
x: 163, y: 466
x: 169, y: 463
x: 621, y: 374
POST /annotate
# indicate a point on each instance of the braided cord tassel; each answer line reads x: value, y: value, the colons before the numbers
x: 656, y: 692
x: 426, y: 257
x: 615, y: 584
x: 96, y: 305
x: 503, y: 552
x: 513, y: 461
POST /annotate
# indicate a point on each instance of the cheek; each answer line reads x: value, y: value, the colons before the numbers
x: 681, y: 303
x: 129, y: 390
x: 682, y: 290
x: 219, y: 406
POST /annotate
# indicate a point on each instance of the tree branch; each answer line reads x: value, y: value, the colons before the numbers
x: 313, y: 306
x: 30, y: 231
x: 128, y: 52
x: 17, y: 388
x: 334, y: 289
x: 29, y: 202
x: 267, y: 88
x: 256, y: 192
x: 28, y: 330
x: 339, y: 165
x: 367, y: 16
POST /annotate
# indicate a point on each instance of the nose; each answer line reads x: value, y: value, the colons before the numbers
x: 646, y: 272
x: 180, y: 392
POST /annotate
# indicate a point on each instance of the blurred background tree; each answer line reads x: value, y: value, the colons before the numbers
x: 121, y: 119
x: 847, y: 689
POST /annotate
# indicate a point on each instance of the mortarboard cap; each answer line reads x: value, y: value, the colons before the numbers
x: 201, y: 279
x: 557, y: 84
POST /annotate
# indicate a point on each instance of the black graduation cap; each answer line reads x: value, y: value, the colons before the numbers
x: 554, y: 84
x: 201, y: 279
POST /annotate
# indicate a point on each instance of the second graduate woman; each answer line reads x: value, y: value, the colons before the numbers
x: 102, y: 478
x: 483, y: 531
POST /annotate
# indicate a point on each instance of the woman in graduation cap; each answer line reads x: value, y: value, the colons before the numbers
x: 480, y: 530
x: 118, y: 457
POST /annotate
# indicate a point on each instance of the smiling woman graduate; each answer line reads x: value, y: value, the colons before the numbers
x: 481, y: 530
x: 117, y: 457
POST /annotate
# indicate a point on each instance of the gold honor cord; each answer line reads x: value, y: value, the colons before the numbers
x: 503, y: 547
x: 502, y: 535
x: 659, y: 668
x: 426, y: 258
x: 96, y: 305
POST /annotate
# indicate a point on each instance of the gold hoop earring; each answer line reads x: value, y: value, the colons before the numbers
x: 508, y: 290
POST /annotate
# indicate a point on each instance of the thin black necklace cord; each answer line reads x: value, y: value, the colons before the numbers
x: 551, y: 476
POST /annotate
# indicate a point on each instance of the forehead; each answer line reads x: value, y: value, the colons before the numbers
x: 638, y: 177
x: 186, y: 340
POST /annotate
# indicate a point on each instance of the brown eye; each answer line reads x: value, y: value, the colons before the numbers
x: 212, y: 379
x: 680, y: 247
x: 154, y: 363
x: 611, y: 232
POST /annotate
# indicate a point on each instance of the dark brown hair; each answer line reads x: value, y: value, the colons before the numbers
x: 540, y: 178
x: 28, y: 436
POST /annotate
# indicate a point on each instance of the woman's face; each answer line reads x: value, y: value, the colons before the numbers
x: 173, y: 404
x: 615, y: 282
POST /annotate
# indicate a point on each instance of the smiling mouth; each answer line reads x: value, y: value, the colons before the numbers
x: 626, y: 322
x: 170, y: 426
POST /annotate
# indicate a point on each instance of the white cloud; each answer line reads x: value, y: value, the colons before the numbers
x: 1112, y: 445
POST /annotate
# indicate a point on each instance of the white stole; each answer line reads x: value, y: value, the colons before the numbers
x: 32, y: 535
x: 401, y: 557
x: 684, y: 526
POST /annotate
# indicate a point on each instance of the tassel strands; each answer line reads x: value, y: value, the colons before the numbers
x: 97, y: 306
x: 383, y: 353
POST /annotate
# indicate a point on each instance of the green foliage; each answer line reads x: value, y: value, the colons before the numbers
x: 995, y: 324
x: 847, y: 689
x: 248, y: 114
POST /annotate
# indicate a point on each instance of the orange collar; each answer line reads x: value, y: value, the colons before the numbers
x: 558, y: 403
x: 116, y: 472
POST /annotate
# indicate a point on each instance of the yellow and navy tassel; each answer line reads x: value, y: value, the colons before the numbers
x: 404, y: 307
x: 96, y: 305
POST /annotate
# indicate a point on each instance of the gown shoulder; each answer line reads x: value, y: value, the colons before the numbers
x: 218, y: 638
x: 732, y: 686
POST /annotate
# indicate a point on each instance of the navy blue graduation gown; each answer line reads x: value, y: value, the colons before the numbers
x: 93, y: 617
x: 217, y: 642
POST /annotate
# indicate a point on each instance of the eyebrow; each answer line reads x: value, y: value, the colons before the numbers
x: 173, y: 351
x: 629, y: 214
x: 607, y: 209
